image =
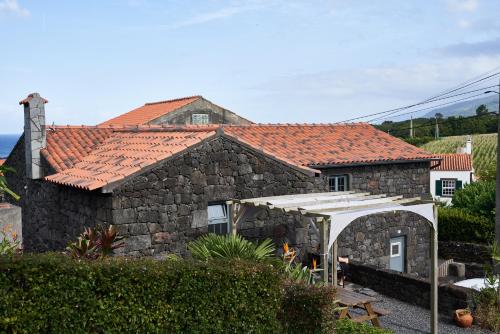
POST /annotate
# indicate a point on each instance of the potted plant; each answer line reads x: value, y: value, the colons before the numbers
x: 463, y: 318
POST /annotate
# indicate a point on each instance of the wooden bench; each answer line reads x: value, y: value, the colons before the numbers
x: 350, y: 299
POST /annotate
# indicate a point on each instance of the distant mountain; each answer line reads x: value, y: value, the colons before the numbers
x: 466, y: 108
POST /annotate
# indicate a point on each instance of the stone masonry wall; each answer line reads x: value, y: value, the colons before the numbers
x: 53, y: 215
x: 216, y: 114
x: 367, y: 240
x: 163, y: 209
x: 407, y: 179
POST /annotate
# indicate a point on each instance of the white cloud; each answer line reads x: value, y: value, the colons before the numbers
x: 368, y: 90
x: 13, y: 7
x: 463, y: 5
x: 219, y: 14
x: 463, y: 23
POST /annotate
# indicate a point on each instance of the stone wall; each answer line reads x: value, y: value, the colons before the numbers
x: 367, y: 240
x: 53, y: 215
x: 407, y: 179
x: 465, y: 252
x: 163, y: 209
x: 10, y: 218
x: 411, y: 290
x: 216, y: 114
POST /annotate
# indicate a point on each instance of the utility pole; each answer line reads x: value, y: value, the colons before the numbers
x: 411, y: 126
x: 436, y: 134
x: 497, y: 206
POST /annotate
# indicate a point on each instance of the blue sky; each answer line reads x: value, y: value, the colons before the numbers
x: 268, y: 60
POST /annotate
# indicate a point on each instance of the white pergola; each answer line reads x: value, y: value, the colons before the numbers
x: 334, y: 211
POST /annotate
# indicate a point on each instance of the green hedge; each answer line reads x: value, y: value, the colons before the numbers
x: 349, y: 327
x: 459, y: 225
x: 308, y: 309
x: 52, y: 293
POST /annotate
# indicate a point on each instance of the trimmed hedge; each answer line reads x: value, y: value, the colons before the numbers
x: 308, y: 309
x: 349, y: 327
x: 52, y: 293
x: 459, y: 225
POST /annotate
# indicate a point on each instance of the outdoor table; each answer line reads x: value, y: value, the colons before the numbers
x: 350, y: 299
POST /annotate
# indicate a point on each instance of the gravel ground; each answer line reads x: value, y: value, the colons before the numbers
x: 406, y: 318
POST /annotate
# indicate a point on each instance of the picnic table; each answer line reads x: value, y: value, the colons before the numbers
x: 350, y: 299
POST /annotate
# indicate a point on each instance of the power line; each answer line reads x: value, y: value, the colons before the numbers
x: 431, y: 123
x: 428, y: 108
x: 467, y: 83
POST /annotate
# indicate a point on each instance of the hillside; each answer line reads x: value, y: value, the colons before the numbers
x: 466, y: 108
x: 483, y: 148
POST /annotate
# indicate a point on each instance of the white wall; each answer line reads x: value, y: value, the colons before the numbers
x: 465, y: 177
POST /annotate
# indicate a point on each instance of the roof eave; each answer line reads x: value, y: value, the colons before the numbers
x: 371, y: 163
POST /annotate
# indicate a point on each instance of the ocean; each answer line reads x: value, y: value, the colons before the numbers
x: 7, y: 143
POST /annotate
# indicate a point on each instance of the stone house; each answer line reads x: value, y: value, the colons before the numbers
x: 164, y: 185
x: 181, y: 111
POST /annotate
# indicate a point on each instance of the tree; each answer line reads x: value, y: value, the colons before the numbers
x: 439, y: 115
x: 482, y: 110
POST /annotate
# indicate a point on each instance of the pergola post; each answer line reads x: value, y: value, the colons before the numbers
x: 324, y: 248
x: 334, y: 264
x: 434, y: 274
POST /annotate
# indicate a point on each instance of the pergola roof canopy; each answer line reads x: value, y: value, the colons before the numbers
x: 338, y: 210
x: 342, y: 207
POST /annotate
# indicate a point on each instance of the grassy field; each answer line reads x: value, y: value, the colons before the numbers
x: 484, y: 148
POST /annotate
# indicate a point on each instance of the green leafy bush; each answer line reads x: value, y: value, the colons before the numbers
x: 213, y: 246
x: 349, y: 327
x: 308, y: 309
x: 53, y: 293
x: 460, y: 225
x: 477, y: 198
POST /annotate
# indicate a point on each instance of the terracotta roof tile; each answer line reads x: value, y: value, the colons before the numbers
x: 67, y: 145
x: 124, y: 153
x: 2, y: 161
x: 149, y: 112
x: 453, y: 162
x: 327, y: 144
x: 116, y: 153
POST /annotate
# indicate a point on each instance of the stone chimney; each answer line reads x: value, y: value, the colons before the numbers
x: 468, y: 145
x: 35, y: 137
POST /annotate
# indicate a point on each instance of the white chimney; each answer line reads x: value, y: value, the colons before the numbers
x: 35, y: 137
x: 468, y: 145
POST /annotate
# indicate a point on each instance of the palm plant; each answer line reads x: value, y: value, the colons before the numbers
x: 3, y: 181
x: 212, y: 246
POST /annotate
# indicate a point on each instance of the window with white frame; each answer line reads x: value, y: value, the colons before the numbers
x: 338, y: 182
x: 448, y: 187
x: 218, y: 218
x: 200, y: 119
x: 395, y: 249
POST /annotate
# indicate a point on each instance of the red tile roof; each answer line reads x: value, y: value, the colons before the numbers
x: 149, y: 112
x: 125, y: 153
x: 67, y: 145
x: 453, y: 162
x: 327, y: 144
x: 110, y: 155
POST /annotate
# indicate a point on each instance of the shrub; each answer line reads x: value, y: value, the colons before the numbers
x: 308, y: 309
x: 349, y: 327
x: 53, y: 293
x: 487, y: 311
x: 460, y: 225
x: 477, y: 198
x: 230, y: 246
x: 95, y: 242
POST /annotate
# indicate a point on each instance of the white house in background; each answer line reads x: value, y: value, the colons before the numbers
x: 452, y: 173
